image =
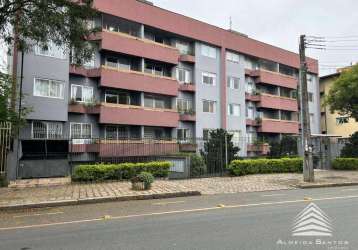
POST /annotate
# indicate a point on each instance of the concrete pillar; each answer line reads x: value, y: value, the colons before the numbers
x: 141, y: 31
x: 142, y: 64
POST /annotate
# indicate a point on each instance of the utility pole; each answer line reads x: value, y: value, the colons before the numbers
x: 308, y: 173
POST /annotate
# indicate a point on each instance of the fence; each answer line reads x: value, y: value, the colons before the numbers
x: 5, y: 140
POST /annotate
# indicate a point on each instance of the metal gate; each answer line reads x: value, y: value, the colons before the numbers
x: 5, y: 140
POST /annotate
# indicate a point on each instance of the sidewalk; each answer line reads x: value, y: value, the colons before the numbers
x: 72, y: 194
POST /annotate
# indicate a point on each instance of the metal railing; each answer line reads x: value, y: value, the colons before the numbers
x: 5, y: 140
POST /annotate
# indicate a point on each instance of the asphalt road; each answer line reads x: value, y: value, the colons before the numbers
x: 261, y: 220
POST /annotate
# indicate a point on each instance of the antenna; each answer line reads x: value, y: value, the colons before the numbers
x: 230, y: 23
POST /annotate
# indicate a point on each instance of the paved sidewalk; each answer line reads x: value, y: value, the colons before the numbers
x: 77, y: 193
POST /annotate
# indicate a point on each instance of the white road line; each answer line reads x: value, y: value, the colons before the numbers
x: 167, y: 203
x: 350, y: 189
x: 177, y: 212
x: 272, y: 195
x: 33, y: 215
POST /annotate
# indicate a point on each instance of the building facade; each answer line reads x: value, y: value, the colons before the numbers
x: 334, y: 124
x: 160, y: 75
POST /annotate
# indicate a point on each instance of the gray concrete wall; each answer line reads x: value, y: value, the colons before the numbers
x: 314, y: 107
x: 237, y: 96
x: 206, y: 92
x: 36, y: 66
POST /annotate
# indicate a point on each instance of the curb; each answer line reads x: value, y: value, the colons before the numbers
x: 99, y: 200
x: 344, y: 184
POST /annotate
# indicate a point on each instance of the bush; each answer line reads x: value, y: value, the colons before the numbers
x: 345, y: 164
x: 146, y: 178
x: 197, y: 165
x: 266, y: 166
x: 123, y: 171
x: 3, y: 182
x: 350, y: 148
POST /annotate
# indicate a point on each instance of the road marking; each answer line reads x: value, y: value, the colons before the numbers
x: 167, y: 203
x: 350, y: 189
x: 177, y: 212
x: 272, y: 195
x: 32, y: 215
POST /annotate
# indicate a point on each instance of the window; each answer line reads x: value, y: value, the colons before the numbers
x: 236, y: 137
x: 249, y: 86
x: 342, y: 119
x: 48, y: 88
x: 183, y: 134
x: 312, y: 120
x: 46, y: 130
x: 90, y: 63
x: 155, y: 102
x: 234, y: 109
x: 154, y: 70
x: 184, y: 105
x: 209, y: 106
x: 183, y: 47
x: 155, y: 133
x: 117, y: 98
x: 51, y: 51
x: 310, y: 97
x: 209, y: 78
x: 121, y: 63
x: 250, y: 112
x: 116, y: 132
x: 233, y: 82
x: 232, y: 57
x: 208, y: 51
x: 184, y: 76
x: 81, y: 93
x: 81, y: 131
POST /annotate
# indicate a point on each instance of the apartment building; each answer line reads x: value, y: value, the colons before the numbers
x: 334, y: 124
x: 161, y: 75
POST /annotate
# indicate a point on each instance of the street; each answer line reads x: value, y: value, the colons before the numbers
x: 234, y: 221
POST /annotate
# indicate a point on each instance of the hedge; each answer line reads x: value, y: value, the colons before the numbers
x: 123, y: 171
x: 266, y: 166
x: 345, y: 164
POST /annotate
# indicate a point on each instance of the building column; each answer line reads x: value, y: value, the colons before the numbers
x: 141, y: 31
x: 142, y: 132
x: 223, y: 97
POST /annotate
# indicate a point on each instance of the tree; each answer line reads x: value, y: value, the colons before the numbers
x: 17, y: 119
x: 24, y: 23
x: 214, y: 150
x: 287, y: 146
x: 343, y: 96
x: 350, y: 149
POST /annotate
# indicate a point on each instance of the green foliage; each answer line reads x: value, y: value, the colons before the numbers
x: 146, y: 178
x: 3, y: 182
x: 287, y: 146
x: 123, y: 171
x: 351, y: 147
x: 6, y: 114
x: 266, y: 166
x: 214, y: 149
x: 345, y: 164
x: 343, y: 95
x: 61, y: 22
x: 197, y: 165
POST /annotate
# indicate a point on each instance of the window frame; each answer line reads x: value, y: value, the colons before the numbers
x: 82, y: 86
x: 81, y: 124
x: 49, y: 81
x: 213, y: 106
x: 47, y: 130
x: 208, y: 74
x: 231, y: 82
x: 206, y: 50
x: 38, y: 52
x: 233, y: 109
x: 230, y: 57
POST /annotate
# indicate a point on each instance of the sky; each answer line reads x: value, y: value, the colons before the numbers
x: 281, y: 22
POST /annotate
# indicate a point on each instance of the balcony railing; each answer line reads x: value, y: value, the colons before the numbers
x: 277, y: 102
x: 278, y: 126
x: 273, y: 78
x: 138, y: 115
x: 127, y: 44
x: 138, y: 81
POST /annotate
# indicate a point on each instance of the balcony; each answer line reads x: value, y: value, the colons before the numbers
x: 138, y: 115
x: 83, y: 109
x: 252, y: 122
x: 262, y: 149
x: 277, y: 102
x: 187, y: 117
x: 138, y: 81
x: 127, y: 44
x: 187, y: 87
x: 82, y: 71
x: 278, y: 126
x: 187, y: 58
x: 273, y: 78
x: 252, y: 97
